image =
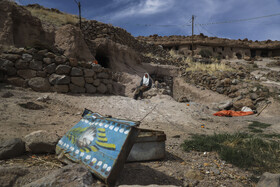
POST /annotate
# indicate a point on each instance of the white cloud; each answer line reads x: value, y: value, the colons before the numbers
x: 136, y: 14
x: 144, y: 7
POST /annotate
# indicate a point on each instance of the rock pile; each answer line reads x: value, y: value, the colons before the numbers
x: 232, y: 84
x: 45, y: 71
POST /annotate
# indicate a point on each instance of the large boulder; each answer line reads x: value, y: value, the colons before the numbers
x: 19, y: 28
x: 70, y: 175
x: 17, y: 81
x: 26, y: 73
x: 102, y: 88
x: 89, y: 72
x: 11, y: 148
x: 50, y: 68
x: 238, y: 105
x: 36, y: 65
x: 21, y: 64
x: 39, y: 84
x: 10, y: 175
x: 11, y: 57
x: 59, y: 79
x: 90, y: 88
x: 41, y: 142
x: 103, y: 75
x: 8, y: 67
x: 63, y: 69
x: 71, y: 40
x: 76, y: 89
x: 226, y: 105
x: 78, y: 81
x: 269, y: 179
x: 89, y: 80
x: 61, y: 88
x: 27, y: 57
x: 76, y: 72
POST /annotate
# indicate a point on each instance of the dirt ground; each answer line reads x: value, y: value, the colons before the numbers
x: 178, y: 120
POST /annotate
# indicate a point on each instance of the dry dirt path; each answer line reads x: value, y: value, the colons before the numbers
x: 177, y: 120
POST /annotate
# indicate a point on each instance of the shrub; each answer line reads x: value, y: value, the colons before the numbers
x: 205, y: 53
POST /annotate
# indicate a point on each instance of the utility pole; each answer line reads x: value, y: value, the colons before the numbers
x: 192, y: 33
x: 80, y: 16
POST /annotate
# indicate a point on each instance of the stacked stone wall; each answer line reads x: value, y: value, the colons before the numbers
x: 239, y: 85
x: 45, y: 71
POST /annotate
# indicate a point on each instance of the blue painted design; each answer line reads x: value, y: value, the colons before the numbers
x: 96, y: 141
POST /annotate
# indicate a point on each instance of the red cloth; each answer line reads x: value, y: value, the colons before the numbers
x: 232, y: 113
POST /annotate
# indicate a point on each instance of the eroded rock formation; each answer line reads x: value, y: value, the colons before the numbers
x: 19, y: 28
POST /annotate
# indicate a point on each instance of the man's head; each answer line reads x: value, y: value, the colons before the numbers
x: 146, y: 75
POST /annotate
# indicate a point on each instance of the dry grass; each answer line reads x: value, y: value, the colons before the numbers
x: 150, y: 55
x: 54, y: 18
x: 210, y: 68
x: 175, y: 54
x: 243, y: 150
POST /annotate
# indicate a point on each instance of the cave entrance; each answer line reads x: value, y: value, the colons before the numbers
x: 253, y: 53
x: 103, y: 59
x: 264, y: 53
x: 238, y: 55
x: 276, y: 52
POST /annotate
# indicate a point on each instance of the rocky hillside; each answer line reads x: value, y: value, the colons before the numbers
x: 19, y: 28
x: 212, y: 41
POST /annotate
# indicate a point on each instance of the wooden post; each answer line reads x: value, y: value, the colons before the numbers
x: 192, y: 33
x: 80, y: 16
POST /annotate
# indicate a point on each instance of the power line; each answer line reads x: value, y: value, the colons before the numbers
x: 203, y: 27
x: 152, y: 25
x: 199, y: 24
x: 240, y: 20
x: 199, y: 31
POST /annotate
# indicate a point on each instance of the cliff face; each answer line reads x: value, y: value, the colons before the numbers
x: 93, y: 30
x: 19, y: 28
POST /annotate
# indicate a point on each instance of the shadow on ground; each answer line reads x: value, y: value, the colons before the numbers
x: 138, y: 174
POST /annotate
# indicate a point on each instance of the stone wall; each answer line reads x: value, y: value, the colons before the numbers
x: 239, y: 85
x: 45, y: 71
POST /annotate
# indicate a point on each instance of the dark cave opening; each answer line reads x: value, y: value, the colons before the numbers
x: 103, y: 60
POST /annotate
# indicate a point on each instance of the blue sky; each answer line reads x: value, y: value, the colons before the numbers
x: 173, y: 17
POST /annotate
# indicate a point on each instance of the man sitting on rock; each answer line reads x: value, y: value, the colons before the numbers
x: 145, y: 85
